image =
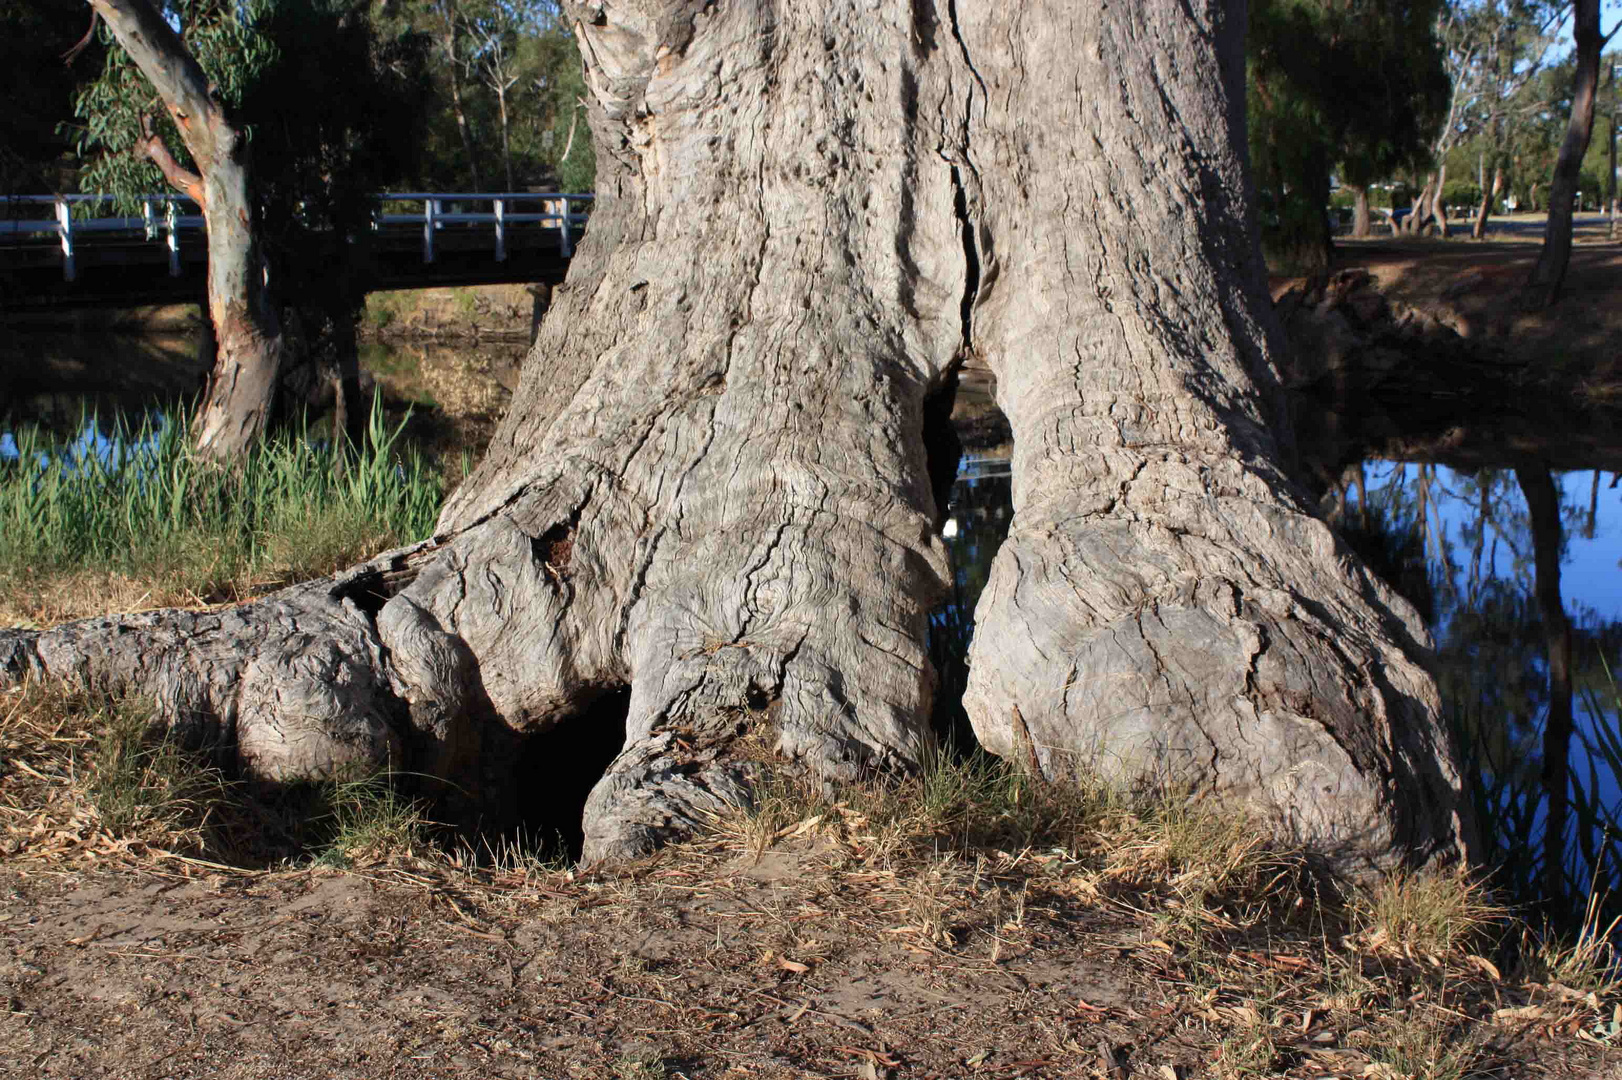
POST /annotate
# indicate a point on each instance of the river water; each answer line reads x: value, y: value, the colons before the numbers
x: 1459, y: 545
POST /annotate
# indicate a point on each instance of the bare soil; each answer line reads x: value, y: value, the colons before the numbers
x: 709, y: 962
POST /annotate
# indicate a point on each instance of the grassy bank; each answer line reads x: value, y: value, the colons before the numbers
x: 126, y: 517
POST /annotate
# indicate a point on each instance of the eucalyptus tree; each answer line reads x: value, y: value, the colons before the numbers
x: 1543, y: 285
x: 277, y: 117
x: 556, y: 103
x: 711, y: 498
x: 1496, y: 56
x: 496, y: 30
x: 155, y: 72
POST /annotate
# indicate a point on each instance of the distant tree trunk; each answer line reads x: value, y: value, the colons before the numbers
x: 506, y: 142
x: 1543, y: 287
x: 1422, y: 204
x: 1610, y: 172
x: 1439, y: 204
x: 241, y: 391
x: 712, y: 499
x: 449, y: 31
x: 1543, y: 504
x: 1489, y: 199
x: 1362, y: 226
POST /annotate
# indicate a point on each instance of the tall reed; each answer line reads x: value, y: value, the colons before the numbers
x: 134, y: 500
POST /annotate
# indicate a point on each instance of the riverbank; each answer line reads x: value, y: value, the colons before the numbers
x: 465, y: 313
x: 1475, y: 289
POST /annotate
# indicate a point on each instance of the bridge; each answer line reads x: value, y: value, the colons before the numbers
x: 66, y: 251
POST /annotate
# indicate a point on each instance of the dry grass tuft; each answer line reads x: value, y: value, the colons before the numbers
x: 1249, y: 1052
x: 1424, y: 915
x: 87, y: 776
x: 1205, y: 854
x: 1588, y: 964
x: 1406, y: 1047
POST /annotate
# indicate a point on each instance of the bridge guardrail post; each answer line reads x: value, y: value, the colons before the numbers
x: 171, y: 222
x: 149, y: 220
x: 568, y: 241
x: 501, y: 230
x: 430, y: 211
x: 64, y: 229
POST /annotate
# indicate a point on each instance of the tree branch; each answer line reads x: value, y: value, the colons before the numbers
x: 183, y: 179
x: 166, y: 62
x: 84, y: 43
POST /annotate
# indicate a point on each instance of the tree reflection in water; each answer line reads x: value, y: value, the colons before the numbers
x: 1464, y: 548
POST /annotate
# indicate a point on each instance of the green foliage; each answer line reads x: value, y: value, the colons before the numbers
x: 222, y: 37
x: 1358, y: 86
x: 1461, y: 193
x: 331, y: 107
x: 136, y: 500
x: 526, y: 46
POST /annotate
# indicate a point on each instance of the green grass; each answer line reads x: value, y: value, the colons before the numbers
x: 371, y: 819
x: 146, y: 508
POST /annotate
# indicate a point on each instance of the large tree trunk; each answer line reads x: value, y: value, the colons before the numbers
x: 1362, y: 222
x: 712, y: 488
x: 1165, y: 605
x: 241, y: 389
x: 1543, y: 287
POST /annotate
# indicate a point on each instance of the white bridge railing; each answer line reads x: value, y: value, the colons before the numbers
x: 557, y: 211
x: 72, y: 220
x: 66, y: 226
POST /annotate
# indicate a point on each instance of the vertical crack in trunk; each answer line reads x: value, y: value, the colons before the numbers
x: 971, y: 259
x: 957, y: 35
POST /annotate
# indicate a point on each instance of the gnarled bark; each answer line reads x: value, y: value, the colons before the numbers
x: 1165, y: 605
x: 712, y: 487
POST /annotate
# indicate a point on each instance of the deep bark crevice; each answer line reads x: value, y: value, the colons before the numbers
x: 943, y: 450
x: 971, y: 258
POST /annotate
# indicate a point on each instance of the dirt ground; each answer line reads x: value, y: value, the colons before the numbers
x: 708, y: 962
